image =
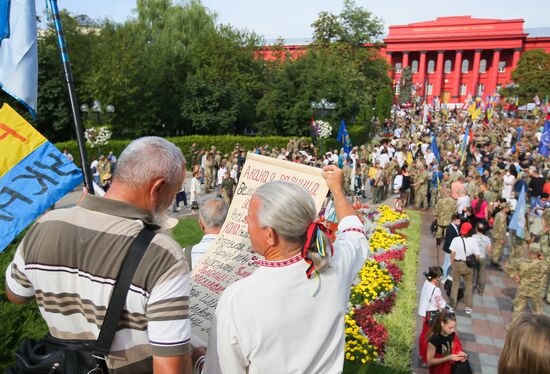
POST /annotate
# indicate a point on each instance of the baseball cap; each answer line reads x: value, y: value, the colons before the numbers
x: 465, y: 228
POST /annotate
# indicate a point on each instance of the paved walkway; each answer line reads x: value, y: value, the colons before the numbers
x: 482, y: 333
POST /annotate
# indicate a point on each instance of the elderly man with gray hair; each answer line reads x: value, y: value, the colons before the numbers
x: 212, y: 214
x: 70, y: 261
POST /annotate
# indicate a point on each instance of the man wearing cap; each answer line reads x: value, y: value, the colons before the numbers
x: 531, y: 274
x: 461, y: 247
x: 500, y: 229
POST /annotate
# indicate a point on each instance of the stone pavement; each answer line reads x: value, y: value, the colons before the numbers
x: 482, y: 333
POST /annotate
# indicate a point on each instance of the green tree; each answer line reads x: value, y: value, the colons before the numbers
x: 405, y: 86
x: 354, y: 25
x: 54, y: 118
x: 384, y: 102
x: 532, y: 75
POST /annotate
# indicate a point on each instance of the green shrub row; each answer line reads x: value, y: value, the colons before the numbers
x: 223, y: 143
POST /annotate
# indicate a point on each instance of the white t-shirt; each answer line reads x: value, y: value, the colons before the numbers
x: 430, y: 298
x: 457, y: 246
x: 483, y: 243
x: 462, y: 203
x: 278, y: 321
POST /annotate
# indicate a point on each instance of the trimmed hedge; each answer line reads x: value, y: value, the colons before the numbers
x: 223, y: 143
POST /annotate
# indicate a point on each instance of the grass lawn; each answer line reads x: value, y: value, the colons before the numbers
x: 187, y: 232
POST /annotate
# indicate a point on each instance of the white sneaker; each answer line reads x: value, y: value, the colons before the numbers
x: 468, y: 310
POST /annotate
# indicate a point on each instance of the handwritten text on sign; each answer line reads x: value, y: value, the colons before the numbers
x: 230, y: 257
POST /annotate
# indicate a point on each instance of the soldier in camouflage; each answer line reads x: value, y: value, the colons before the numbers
x: 420, y: 185
x: 444, y: 210
x: 532, y: 274
x: 500, y: 228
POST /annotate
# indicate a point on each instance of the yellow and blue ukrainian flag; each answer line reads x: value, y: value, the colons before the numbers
x: 34, y: 174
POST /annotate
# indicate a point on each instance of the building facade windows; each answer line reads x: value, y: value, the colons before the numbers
x: 480, y: 88
x: 414, y: 66
x: 499, y: 87
x: 429, y: 88
x: 483, y: 66
x: 431, y: 66
x: 463, y: 88
x: 398, y: 67
x: 501, y: 66
x: 448, y: 65
x: 465, y: 66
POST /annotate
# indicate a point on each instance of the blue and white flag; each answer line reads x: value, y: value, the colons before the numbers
x: 517, y: 223
x: 545, y: 140
x: 18, y: 51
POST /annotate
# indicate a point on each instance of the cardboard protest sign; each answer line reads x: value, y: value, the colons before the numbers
x: 230, y: 257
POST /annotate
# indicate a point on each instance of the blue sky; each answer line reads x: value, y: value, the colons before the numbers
x: 292, y: 18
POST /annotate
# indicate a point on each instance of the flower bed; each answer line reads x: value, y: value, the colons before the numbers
x: 374, y: 291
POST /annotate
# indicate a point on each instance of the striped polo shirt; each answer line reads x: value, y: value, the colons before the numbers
x: 70, y: 259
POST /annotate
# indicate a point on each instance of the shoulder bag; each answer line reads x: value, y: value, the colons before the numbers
x: 52, y: 355
x: 431, y: 315
x: 471, y: 260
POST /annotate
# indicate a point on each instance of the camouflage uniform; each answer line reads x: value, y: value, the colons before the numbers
x: 533, y: 274
x: 500, y: 227
x: 421, y: 189
x: 444, y: 210
x: 472, y: 189
x: 347, y: 179
x: 208, y: 174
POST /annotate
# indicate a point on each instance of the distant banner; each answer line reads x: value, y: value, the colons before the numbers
x: 33, y: 174
x: 230, y: 257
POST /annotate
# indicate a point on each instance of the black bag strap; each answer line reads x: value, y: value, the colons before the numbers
x: 464, y: 245
x: 432, y: 295
x: 118, y: 297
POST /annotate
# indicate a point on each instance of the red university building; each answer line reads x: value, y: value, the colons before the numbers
x: 454, y: 57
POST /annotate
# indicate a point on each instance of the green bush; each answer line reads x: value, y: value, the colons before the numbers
x: 224, y: 143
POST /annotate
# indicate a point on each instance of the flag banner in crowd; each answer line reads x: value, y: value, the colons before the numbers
x: 517, y: 139
x: 230, y: 258
x: 344, y: 138
x: 545, y: 140
x: 18, y: 51
x: 33, y: 174
x: 435, y: 150
x: 517, y: 223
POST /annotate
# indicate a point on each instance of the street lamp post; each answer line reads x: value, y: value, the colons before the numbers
x: 97, y: 109
x: 323, y: 106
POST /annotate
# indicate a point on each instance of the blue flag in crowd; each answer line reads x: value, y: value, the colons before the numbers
x: 517, y: 222
x: 343, y: 137
x: 18, y: 52
x: 545, y: 139
x: 520, y: 132
x: 434, y: 149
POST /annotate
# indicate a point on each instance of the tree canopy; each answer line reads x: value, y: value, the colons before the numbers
x: 532, y: 75
x: 172, y: 69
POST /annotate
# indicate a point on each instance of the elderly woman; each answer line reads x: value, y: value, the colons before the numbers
x: 288, y: 316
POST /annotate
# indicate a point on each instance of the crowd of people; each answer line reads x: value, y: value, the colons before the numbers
x: 479, y: 176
